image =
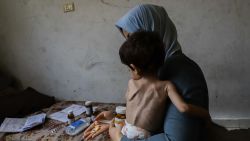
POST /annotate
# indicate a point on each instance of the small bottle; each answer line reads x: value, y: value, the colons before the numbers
x: 71, y: 117
x: 89, y: 108
x: 120, y: 116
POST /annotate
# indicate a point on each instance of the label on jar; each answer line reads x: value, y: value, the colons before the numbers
x: 70, y: 121
x: 119, y: 123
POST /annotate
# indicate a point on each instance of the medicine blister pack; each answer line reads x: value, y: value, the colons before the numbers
x: 77, y: 126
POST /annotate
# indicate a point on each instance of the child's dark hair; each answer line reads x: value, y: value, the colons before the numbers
x: 143, y: 49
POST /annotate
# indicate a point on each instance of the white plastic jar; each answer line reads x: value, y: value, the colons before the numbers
x: 120, y: 116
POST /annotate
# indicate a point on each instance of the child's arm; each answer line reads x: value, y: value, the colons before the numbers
x: 184, y: 107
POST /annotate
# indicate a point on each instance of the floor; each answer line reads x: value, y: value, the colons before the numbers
x: 219, y: 133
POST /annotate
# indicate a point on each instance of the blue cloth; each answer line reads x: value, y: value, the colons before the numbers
x: 190, y: 82
x: 151, y: 18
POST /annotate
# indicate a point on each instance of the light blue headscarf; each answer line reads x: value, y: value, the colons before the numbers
x: 151, y: 18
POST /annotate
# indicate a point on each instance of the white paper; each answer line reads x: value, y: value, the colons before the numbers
x: 62, y: 115
x: 21, y: 124
x: 77, y: 109
x: 12, y: 125
x: 33, y: 121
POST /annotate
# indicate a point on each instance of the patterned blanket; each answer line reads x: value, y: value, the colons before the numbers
x: 53, y: 130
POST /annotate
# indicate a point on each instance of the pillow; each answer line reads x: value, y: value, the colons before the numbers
x: 5, y: 81
x: 8, y: 91
x: 23, y: 103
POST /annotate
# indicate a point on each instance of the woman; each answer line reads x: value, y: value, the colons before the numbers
x: 179, y: 69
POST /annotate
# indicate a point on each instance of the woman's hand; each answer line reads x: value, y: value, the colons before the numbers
x: 105, y: 115
x: 94, y: 130
x: 90, y: 132
x: 114, y: 133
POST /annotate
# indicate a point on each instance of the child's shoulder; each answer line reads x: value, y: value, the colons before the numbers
x: 130, y: 81
x: 164, y: 82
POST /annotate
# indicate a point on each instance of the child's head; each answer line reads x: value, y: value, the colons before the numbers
x: 143, y: 52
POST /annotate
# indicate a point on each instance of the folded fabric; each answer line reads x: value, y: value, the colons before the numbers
x: 26, y: 102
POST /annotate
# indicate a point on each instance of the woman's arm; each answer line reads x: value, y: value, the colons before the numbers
x: 184, y: 107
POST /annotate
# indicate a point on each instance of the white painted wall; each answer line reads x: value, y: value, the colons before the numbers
x: 74, y: 56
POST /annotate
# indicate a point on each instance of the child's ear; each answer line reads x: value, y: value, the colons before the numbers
x: 135, y: 69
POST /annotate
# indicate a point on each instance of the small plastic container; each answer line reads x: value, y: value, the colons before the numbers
x: 120, y: 116
x: 89, y: 108
x: 76, y: 127
x: 71, y: 117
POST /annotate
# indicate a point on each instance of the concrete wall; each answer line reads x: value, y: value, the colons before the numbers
x: 74, y: 56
